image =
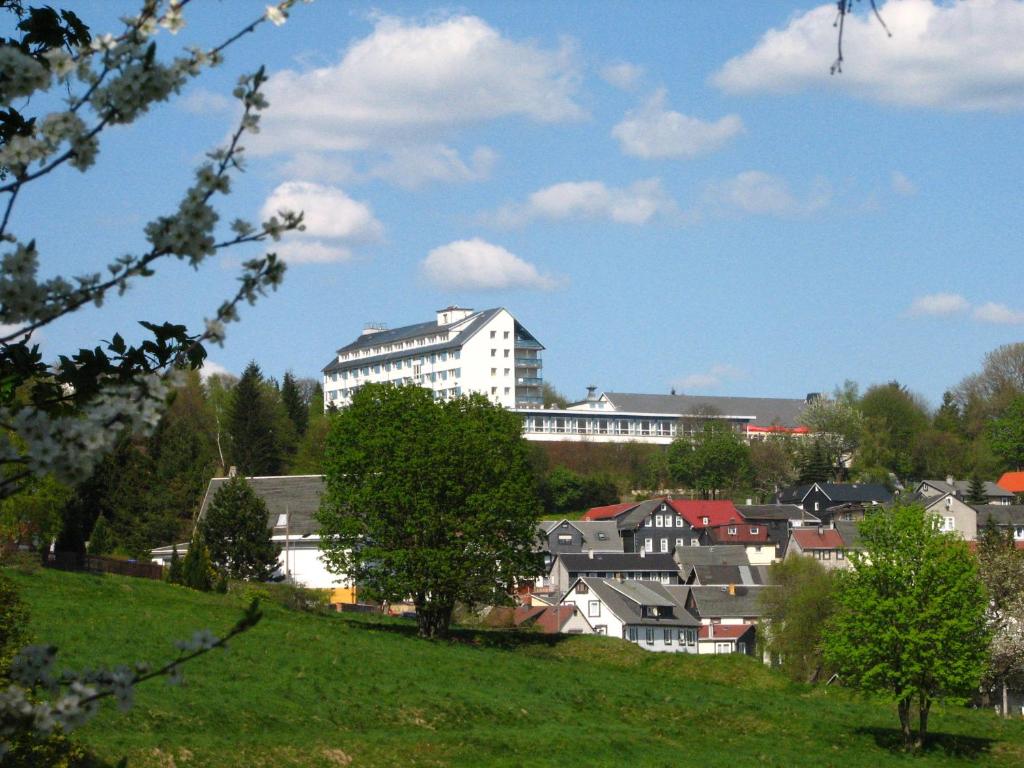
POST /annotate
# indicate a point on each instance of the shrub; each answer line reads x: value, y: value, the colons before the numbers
x: 13, y: 623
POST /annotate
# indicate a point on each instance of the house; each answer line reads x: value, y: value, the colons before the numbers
x: 552, y: 619
x: 687, y: 557
x: 786, y: 515
x: 1003, y: 517
x: 728, y: 615
x: 828, y: 545
x: 727, y: 638
x: 953, y: 512
x: 761, y: 547
x: 960, y: 489
x: 292, y: 503
x: 820, y: 498
x: 557, y: 537
x: 661, y: 525
x: 1012, y: 482
x: 613, y: 565
x: 460, y: 351
x: 724, y: 575
x: 641, y: 612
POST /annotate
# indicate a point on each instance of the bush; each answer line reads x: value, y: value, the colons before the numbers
x: 291, y: 596
x: 101, y: 540
x: 13, y: 623
x: 196, y: 571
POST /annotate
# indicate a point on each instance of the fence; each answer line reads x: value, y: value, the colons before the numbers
x: 73, y: 561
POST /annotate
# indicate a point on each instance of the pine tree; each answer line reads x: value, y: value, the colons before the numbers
x: 256, y: 448
x: 101, y: 539
x: 174, y: 573
x: 976, y: 490
x: 291, y: 398
x: 814, y: 465
x: 196, y: 571
x: 236, y: 532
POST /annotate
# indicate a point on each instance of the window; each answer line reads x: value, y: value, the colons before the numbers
x: 840, y: 554
x: 506, y: 390
x: 600, y: 629
x: 505, y: 334
x: 704, y: 520
x: 594, y: 608
x: 648, y: 522
x: 649, y: 545
x: 826, y: 555
x: 565, y: 538
x: 494, y: 390
x: 658, y: 520
x: 732, y: 530
x: 494, y: 371
x: 754, y: 530
x: 664, y: 545
x: 679, y: 521
x: 650, y: 635
x: 634, y: 634
x: 582, y: 588
x: 507, y: 371
x: 494, y: 334
x: 494, y: 353
x: 667, y: 634
x: 507, y: 352
x: 817, y: 506
x: 680, y: 542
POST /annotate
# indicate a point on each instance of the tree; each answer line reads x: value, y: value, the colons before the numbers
x: 976, y: 490
x: 552, y: 398
x: 815, y: 466
x: 774, y: 465
x: 174, y: 571
x: 429, y: 499
x: 794, y: 613
x: 236, y: 533
x: 32, y: 516
x: 894, y: 422
x: 294, y: 406
x: 910, y: 618
x: 714, y: 460
x: 255, y: 443
x: 101, y: 540
x: 196, y: 570
x: 1006, y: 434
x: 837, y: 427
x: 1001, y: 566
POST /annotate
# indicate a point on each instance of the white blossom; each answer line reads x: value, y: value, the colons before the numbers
x: 276, y: 15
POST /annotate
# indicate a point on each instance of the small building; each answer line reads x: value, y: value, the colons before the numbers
x: 1003, y: 517
x: 727, y: 638
x: 827, y: 545
x: 820, y: 498
x: 623, y: 566
x: 960, y: 489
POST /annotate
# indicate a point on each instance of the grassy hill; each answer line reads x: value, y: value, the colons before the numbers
x: 305, y: 690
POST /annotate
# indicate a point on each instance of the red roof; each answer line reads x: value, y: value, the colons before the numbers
x: 1012, y: 482
x: 776, y: 429
x: 612, y: 510
x: 743, y: 535
x: 723, y: 631
x: 818, y: 538
x: 717, y: 512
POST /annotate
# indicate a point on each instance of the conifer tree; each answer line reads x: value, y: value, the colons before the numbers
x: 101, y: 539
x: 236, y: 532
x: 255, y: 442
x: 291, y: 398
x: 976, y: 490
x: 196, y: 571
x: 174, y: 573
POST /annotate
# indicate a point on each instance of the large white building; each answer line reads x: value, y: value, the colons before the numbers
x: 460, y: 352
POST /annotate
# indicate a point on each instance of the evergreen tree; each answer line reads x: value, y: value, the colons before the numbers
x: 196, y: 571
x: 175, y: 573
x: 255, y: 442
x: 814, y: 465
x: 291, y: 398
x: 976, y: 490
x: 236, y: 532
x: 100, y: 540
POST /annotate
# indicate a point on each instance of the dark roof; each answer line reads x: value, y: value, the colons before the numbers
x: 765, y: 411
x: 751, y: 575
x: 617, y: 562
x: 962, y: 488
x: 298, y: 495
x: 716, y: 602
x: 1009, y: 514
x: 625, y: 599
x: 720, y: 554
x: 838, y: 492
x: 850, y: 532
x: 473, y: 323
x: 776, y: 512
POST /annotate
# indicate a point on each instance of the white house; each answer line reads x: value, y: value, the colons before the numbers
x: 459, y: 352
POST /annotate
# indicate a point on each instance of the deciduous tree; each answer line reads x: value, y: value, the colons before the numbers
x: 910, y: 618
x: 714, y: 460
x: 794, y: 613
x: 429, y: 500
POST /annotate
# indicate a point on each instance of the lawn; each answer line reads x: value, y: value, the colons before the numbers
x: 306, y: 690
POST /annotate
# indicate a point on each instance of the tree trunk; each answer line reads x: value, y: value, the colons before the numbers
x: 1006, y: 701
x: 903, y: 705
x: 433, y: 620
x: 924, y: 704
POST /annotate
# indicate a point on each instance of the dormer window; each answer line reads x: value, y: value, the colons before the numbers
x: 664, y: 507
x: 704, y: 520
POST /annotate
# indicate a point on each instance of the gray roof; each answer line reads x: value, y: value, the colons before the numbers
x: 719, y: 554
x: 766, y: 411
x: 716, y: 602
x: 617, y: 562
x: 776, y: 512
x: 838, y: 492
x: 962, y: 488
x: 599, y: 534
x: 625, y: 598
x: 1009, y: 514
x: 849, y: 532
x: 298, y: 495
x: 632, y: 518
x: 406, y: 332
x: 750, y: 575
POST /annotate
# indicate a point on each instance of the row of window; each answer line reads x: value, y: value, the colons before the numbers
x: 665, y: 521
x: 667, y: 635
x: 407, y: 363
x: 680, y: 542
x: 384, y: 349
x: 663, y: 576
x: 826, y: 554
x: 494, y: 334
x: 609, y: 425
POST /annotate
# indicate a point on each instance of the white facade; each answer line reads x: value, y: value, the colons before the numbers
x: 462, y: 351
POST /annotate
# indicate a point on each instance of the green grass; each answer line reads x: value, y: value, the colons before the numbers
x: 305, y: 690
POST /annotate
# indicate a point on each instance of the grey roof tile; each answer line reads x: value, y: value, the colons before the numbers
x: 766, y: 411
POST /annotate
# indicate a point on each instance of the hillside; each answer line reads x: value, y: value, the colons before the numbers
x: 304, y: 690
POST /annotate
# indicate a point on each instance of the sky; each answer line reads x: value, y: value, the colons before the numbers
x: 667, y: 195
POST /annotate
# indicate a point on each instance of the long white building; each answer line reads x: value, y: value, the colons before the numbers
x: 460, y: 352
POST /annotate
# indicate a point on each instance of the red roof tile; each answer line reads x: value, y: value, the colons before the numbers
x: 818, y: 538
x: 1012, y: 482
x: 606, y: 512
x: 723, y: 631
x: 553, y: 618
x: 717, y: 512
x: 720, y: 534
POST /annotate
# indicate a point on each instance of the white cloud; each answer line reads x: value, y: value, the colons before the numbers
x: 938, y: 304
x: 200, y: 101
x: 1000, y: 314
x: 411, y: 167
x: 622, y: 75
x: 478, y: 265
x: 302, y: 251
x: 407, y: 82
x: 760, y: 193
x: 652, y: 131
x: 903, y: 186
x: 210, y: 368
x: 715, y: 376
x: 327, y: 211
x: 960, y: 56
x: 637, y: 204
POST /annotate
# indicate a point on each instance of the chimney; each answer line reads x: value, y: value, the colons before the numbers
x: 711, y: 631
x: 643, y: 550
x: 592, y: 393
x: 749, y: 502
x: 820, y: 531
x: 732, y: 590
x: 590, y: 553
x: 232, y: 471
x: 949, y: 479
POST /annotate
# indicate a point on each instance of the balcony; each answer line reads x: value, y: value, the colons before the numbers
x: 530, y: 399
x: 528, y: 344
x: 528, y: 362
x: 530, y: 381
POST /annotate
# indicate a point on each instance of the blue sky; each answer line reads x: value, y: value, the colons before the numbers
x: 665, y: 194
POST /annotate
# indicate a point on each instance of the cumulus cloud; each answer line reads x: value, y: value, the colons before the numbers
x: 901, y: 185
x: 760, y: 193
x: 200, y: 101
x: 637, y: 204
x: 210, y: 368
x: 622, y: 75
x: 958, y: 56
x: 478, y: 265
x: 407, y: 80
x: 652, y: 131
x: 938, y: 304
x: 1000, y: 314
x: 302, y: 251
x: 715, y: 376
x: 327, y: 211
